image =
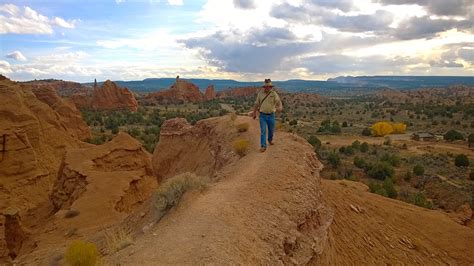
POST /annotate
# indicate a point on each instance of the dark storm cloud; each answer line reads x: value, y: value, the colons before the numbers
x: 319, y: 15
x: 445, y: 64
x: 259, y: 51
x: 424, y: 27
x: 244, y: 4
x: 344, y: 5
x: 362, y: 23
x: 267, y: 50
x: 439, y: 7
x: 463, y: 51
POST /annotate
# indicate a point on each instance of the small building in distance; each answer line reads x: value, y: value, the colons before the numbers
x: 424, y: 136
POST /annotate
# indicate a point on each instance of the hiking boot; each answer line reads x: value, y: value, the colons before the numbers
x: 271, y: 142
x: 262, y: 149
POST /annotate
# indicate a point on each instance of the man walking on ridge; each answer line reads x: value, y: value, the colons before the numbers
x: 267, y: 103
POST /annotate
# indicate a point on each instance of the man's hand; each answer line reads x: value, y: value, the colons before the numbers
x: 279, y: 108
x: 254, y: 115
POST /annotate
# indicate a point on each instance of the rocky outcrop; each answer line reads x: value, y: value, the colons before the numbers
x: 111, y: 97
x: 244, y: 92
x: 103, y: 183
x: 180, y: 92
x: 210, y: 93
x: 33, y: 139
x: 63, y: 88
x: 208, y: 138
x: 69, y: 116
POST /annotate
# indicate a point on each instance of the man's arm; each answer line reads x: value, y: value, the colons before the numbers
x: 255, y: 107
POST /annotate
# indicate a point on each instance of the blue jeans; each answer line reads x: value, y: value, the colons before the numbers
x: 266, y: 121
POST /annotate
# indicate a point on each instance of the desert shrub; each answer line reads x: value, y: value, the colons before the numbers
x: 389, y: 188
x: 399, y: 128
x: 334, y: 159
x: 242, y: 127
x: 453, y: 135
x: 471, y: 176
x: 241, y: 146
x: 342, y: 149
x: 364, y: 147
x: 117, y: 239
x: 80, y: 253
x: 359, y: 162
x: 461, y: 160
x: 418, y: 170
x: 348, y: 150
x: 356, y: 145
x: 407, y: 177
x: 344, y: 124
x: 420, y: 200
x: 392, y: 159
x: 377, y: 189
x: 172, y: 190
x: 380, y: 170
x: 293, y: 122
x: 313, y: 140
x: 366, y: 132
x: 381, y: 129
x: 470, y: 139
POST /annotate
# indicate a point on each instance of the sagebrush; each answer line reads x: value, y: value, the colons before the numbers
x: 172, y: 190
x: 81, y: 253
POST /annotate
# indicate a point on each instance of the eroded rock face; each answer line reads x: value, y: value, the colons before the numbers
x: 69, y: 116
x: 181, y: 91
x: 63, y: 88
x: 33, y: 139
x: 208, y: 138
x: 111, y: 97
x: 210, y: 93
x: 107, y: 181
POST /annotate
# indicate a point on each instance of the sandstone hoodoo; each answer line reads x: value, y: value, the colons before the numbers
x: 111, y: 97
x: 181, y: 91
x: 210, y: 93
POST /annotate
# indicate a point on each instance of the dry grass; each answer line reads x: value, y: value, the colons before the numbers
x: 241, y: 146
x: 117, y: 239
x: 172, y: 190
x: 80, y: 253
x: 233, y: 116
x: 242, y: 127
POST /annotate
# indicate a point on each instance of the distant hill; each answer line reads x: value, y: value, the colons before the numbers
x: 333, y: 85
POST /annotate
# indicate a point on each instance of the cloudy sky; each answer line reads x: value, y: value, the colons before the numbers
x: 237, y: 39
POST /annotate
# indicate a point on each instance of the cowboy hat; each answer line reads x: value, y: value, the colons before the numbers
x: 268, y: 83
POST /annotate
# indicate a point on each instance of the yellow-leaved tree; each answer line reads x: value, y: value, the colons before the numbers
x: 399, y: 128
x: 381, y: 129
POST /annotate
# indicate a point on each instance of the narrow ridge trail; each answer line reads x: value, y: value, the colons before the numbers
x: 265, y: 208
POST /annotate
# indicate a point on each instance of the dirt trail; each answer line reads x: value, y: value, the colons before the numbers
x: 371, y: 229
x: 266, y: 208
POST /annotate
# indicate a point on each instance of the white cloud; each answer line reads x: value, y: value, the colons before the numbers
x: 175, y: 2
x: 5, y: 67
x: 70, y: 57
x: 118, y: 2
x: 17, y: 55
x: 27, y: 21
x: 63, y: 23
